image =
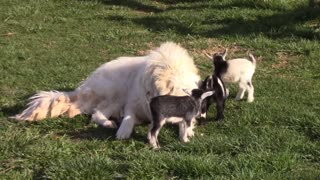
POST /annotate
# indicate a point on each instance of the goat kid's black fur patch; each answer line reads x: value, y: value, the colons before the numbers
x: 211, y: 83
x: 220, y: 65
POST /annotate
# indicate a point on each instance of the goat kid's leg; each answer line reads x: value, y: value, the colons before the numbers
x: 227, y: 92
x: 149, y: 131
x: 154, y: 132
x: 242, y: 90
x: 101, y: 119
x: 190, y: 132
x: 250, y: 89
x: 220, y: 109
x: 151, y: 137
x: 183, y: 135
x: 126, y: 127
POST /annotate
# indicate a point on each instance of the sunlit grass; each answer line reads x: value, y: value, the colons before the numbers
x: 55, y: 44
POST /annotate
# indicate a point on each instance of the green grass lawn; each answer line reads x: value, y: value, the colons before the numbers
x: 55, y: 44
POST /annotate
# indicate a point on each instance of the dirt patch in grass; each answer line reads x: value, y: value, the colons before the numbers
x: 8, y: 91
x: 214, y: 46
x: 146, y: 51
x: 283, y: 59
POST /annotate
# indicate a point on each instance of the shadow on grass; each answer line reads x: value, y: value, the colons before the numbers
x: 311, y: 130
x: 279, y: 25
x: 313, y: 134
x: 316, y: 77
x: 132, y: 4
x: 180, y: 1
x: 91, y: 133
x: 101, y: 133
x: 12, y: 110
x: 231, y: 4
x: 154, y: 23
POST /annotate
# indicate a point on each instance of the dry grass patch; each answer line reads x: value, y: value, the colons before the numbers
x: 144, y: 52
x: 283, y: 59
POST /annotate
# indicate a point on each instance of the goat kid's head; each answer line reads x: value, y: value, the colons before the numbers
x: 218, y: 57
x: 206, y: 86
x: 199, y: 94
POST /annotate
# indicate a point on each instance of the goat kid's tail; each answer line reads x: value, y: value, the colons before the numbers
x: 49, y: 104
x: 252, y: 59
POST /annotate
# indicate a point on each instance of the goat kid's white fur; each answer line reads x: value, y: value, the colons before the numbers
x: 121, y: 89
x: 240, y: 71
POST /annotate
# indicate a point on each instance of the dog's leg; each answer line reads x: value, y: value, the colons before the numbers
x: 102, y: 118
x: 126, y: 127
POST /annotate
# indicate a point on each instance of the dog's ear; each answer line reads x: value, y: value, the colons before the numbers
x: 224, y: 54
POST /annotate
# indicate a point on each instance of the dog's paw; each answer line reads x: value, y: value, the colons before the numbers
x: 110, y: 124
x: 123, y: 134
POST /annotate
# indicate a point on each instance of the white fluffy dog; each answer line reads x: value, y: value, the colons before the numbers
x: 121, y: 90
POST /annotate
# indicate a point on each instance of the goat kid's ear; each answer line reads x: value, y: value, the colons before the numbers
x: 224, y: 54
x: 208, y: 56
x: 206, y: 94
x: 187, y: 92
x: 208, y: 82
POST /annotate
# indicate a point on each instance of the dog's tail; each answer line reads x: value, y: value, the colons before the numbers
x: 252, y: 59
x: 49, y: 104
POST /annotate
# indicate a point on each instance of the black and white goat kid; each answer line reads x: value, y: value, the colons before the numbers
x: 214, y: 83
x: 174, y: 109
x: 238, y: 70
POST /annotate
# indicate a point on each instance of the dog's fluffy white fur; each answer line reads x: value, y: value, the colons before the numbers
x: 120, y: 89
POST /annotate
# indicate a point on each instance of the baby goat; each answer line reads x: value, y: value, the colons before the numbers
x: 235, y: 71
x: 215, y: 84
x: 182, y: 109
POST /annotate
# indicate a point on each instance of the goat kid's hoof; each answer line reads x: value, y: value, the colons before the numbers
x: 218, y: 119
x: 250, y: 100
x: 227, y: 92
x: 190, y: 133
x: 185, y: 140
x: 202, y: 122
x: 154, y: 145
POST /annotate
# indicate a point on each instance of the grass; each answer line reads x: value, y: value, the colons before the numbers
x: 54, y: 44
